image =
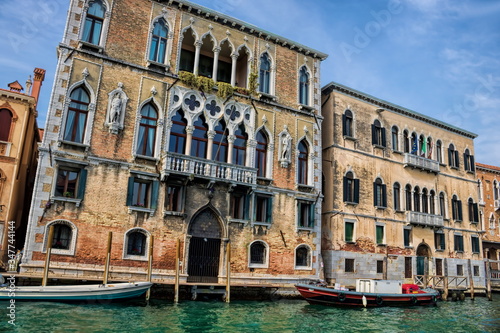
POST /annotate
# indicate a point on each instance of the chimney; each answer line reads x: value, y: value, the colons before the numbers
x: 37, y: 82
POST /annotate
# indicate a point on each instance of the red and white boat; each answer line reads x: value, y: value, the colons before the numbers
x: 370, y: 293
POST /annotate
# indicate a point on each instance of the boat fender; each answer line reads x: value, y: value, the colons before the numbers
x: 341, y: 297
x: 363, y: 299
x: 414, y: 300
x: 379, y: 300
x: 434, y: 299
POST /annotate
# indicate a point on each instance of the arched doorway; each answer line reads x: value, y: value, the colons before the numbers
x: 204, y: 247
x: 423, y: 257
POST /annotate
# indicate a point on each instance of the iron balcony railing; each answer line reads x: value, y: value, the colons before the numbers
x: 199, y: 167
x: 427, y: 220
x: 420, y: 162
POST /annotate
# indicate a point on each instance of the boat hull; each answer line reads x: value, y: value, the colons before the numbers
x: 76, y: 292
x: 341, y: 298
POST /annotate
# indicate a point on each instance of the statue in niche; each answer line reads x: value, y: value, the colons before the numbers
x: 117, y: 102
x: 285, y: 148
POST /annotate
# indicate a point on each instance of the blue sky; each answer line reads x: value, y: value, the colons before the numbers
x: 440, y: 58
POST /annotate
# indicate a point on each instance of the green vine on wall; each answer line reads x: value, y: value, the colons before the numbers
x: 204, y: 84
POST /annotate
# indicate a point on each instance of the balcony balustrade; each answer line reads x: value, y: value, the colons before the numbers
x: 212, y: 170
x: 420, y: 162
x: 427, y: 220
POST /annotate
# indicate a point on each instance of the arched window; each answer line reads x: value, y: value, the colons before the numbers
x: 395, y: 141
x: 177, y: 141
x: 351, y: 188
x: 378, y: 134
x: 261, y: 153
x: 265, y: 74
x: 429, y: 148
x: 414, y: 143
x: 496, y: 190
x: 456, y: 208
x: 422, y: 143
x: 442, y: 205
x: 219, y: 148
x: 76, y: 120
x: 200, y: 138
x: 453, y: 156
x: 63, y: 239
x: 432, y: 202
x: 425, y: 201
x: 147, y: 130
x: 159, y: 37
x: 302, y: 257
x: 379, y: 193
x: 347, y: 123
x: 473, y: 211
x: 5, y: 123
x: 303, y: 86
x: 408, y: 197
x: 439, y: 151
x: 240, y: 145
x: 469, y: 161
x: 416, y: 199
x: 62, y: 236
x: 396, y: 196
x: 406, y: 141
x: 186, y: 59
x: 94, y: 22
x: 302, y: 170
x: 258, y: 254
x: 136, y: 243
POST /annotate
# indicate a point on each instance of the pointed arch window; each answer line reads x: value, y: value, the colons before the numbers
x: 177, y: 142
x: 432, y: 202
x: 147, y: 130
x: 265, y: 74
x: 5, y: 124
x: 200, y: 138
x: 473, y: 211
x: 302, y: 167
x: 442, y: 205
x: 469, y: 164
x: 396, y: 194
x: 456, y: 208
x: 219, y: 149
x: 240, y: 146
x: 94, y: 22
x: 429, y: 148
x: 378, y: 134
x: 261, y: 153
x: 379, y: 194
x: 408, y: 197
x: 406, y: 135
x: 347, y: 124
x: 395, y: 140
x: 453, y: 160
x: 76, y: 120
x: 416, y: 199
x: 439, y: 151
x: 159, y: 38
x: 303, y: 86
x: 425, y: 201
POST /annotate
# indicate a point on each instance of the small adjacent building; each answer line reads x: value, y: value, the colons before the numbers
x: 401, y: 193
x: 172, y: 121
x: 19, y: 138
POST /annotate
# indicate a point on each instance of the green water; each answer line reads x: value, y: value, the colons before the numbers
x: 268, y: 316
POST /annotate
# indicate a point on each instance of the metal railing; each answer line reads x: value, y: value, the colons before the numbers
x: 189, y: 165
x: 429, y: 220
x: 421, y: 162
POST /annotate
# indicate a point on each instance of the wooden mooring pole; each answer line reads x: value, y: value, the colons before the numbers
x: 150, y: 265
x: 445, y: 281
x: 471, y: 281
x: 228, y: 273
x: 108, y: 258
x: 177, y: 257
x: 47, y: 257
x: 488, y: 279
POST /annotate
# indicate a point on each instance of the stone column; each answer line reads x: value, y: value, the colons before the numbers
x: 216, y: 63
x: 234, y: 58
x: 197, y: 45
x: 189, y: 138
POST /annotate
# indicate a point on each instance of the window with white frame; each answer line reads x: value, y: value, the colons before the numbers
x: 304, y: 86
x: 159, y: 40
x: 453, y: 159
x: 379, y: 194
x: 456, y: 208
x: 395, y: 138
x: 77, y: 116
x: 396, y: 196
x: 348, y: 124
x: 94, y: 22
x: 378, y: 134
x: 147, y: 131
x: 303, y: 163
x: 63, y: 239
x: 351, y: 188
x: 265, y: 74
x: 469, y: 164
x: 258, y: 255
x: 136, y: 244
x: 303, y: 257
x: 473, y: 209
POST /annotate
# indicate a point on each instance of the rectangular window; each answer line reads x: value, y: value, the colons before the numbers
x: 70, y: 182
x: 142, y: 192
x: 349, y: 265
x: 239, y: 206
x: 407, y: 236
x: 460, y: 270
x: 380, y: 266
x: 174, y: 198
x: 380, y: 234
x: 305, y: 214
x: 439, y: 267
x: 349, y: 232
x: 459, y: 243
x: 439, y: 241
x: 408, y: 268
x: 476, y: 270
x: 475, y: 244
x: 263, y: 208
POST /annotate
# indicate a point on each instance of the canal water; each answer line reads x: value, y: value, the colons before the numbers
x: 480, y: 315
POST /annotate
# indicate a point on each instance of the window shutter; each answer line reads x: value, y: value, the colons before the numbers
x: 344, y: 125
x: 356, y: 190
x: 375, y: 203
x: 476, y: 212
x: 130, y: 191
x: 345, y: 189
x: 450, y: 157
x: 382, y: 130
x: 374, y: 135
x: 384, y: 195
x: 457, y: 159
x: 299, y: 214
x: 466, y: 162
x: 472, y: 163
x: 82, y: 183
x: 443, y: 244
x: 312, y: 210
x: 269, y: 211
x: 459, y: 203
x: 154, y: 194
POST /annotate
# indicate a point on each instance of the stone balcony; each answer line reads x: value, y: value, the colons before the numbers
x: 213, y: 171
x: 424, y: 219
x: 415, y: 161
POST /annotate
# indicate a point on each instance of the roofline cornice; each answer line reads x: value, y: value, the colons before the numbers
x: 488, y: 168
x: 18, y: 96
x: 333, y: 86
x: 248, y: 28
